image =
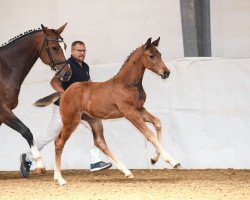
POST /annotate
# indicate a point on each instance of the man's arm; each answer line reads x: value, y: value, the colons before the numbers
x: 56, y: 84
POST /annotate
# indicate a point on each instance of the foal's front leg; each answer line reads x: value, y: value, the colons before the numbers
x: 148, y: 117
x: 135, y: 118
x: 97, y: 129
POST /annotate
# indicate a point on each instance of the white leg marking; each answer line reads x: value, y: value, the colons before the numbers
x: 169, y: 159
x: 39, y: 164
x: 37, y: 157
x: 36, y: 154
x: 163, y: 153
x: 58, y: 177
x: 125, y: 170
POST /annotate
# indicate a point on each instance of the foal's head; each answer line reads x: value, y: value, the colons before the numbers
x: 152, y: 60
x: 53, y: 52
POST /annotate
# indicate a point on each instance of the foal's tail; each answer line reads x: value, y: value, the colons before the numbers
x: 45, y: 101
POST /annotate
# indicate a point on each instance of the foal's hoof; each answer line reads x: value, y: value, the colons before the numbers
x: 62, y: 182
x: 40, y: 171
x: 130, y: 176
x: 153, y: 161
x: 178, y: 166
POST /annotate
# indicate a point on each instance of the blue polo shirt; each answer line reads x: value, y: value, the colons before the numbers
x: 79, y: 74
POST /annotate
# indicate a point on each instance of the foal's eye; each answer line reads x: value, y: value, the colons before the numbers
x: 151, y: 56
x: 55, y: 48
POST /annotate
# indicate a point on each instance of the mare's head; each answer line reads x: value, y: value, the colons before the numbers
x: 53, y: 52
x: 152, y: 60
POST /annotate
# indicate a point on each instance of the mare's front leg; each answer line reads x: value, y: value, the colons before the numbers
x: 8, y: 118
x: 135, y: 118
x: 148, y: 117
x: 97, y: 129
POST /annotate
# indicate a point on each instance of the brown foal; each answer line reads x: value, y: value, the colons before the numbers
x: 120, y: 96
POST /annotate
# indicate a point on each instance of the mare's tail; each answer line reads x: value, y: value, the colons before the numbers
x: 45, y: 101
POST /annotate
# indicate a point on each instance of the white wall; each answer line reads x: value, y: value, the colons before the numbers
x: 230, y: 28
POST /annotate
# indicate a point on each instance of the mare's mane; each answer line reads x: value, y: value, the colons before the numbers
x: 23, y: 35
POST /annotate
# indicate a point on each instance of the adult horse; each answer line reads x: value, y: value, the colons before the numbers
x: 16, y: 59
x: 120, y: 96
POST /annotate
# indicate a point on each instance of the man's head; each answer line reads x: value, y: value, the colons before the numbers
x: 78, y: 50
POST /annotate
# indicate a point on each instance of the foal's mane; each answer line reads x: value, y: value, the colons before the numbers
x: 129, y: 56
x: 131, y: 53
x: 23, y: 35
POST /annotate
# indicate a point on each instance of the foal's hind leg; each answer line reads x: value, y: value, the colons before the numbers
x: 147, y: 117
x: 135, y: 118
x: 97, y: 129
x: 8, y: 117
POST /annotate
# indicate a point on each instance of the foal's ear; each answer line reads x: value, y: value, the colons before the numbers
x: 156, y: 42
x: 45, y: 29
x: 148, y: 43
x: 60, y: 30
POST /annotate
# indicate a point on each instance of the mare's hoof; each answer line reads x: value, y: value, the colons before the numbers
x: 178, y: 166
x: 40, y: 171
x: 153, y: 161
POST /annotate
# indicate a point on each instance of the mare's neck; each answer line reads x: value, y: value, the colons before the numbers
x: 23, y: 54
x: 132, y: 70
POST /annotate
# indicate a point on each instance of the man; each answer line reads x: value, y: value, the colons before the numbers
x: 80, y: 73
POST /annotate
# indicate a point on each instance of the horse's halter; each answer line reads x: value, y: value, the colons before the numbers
x: 54, y: 65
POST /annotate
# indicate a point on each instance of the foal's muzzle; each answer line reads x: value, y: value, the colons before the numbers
x: 165, y: 74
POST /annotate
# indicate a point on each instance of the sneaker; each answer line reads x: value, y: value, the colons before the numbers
x: 99, y: 166
x: 24, y: 166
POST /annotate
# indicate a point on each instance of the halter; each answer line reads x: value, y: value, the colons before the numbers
x: 54, y: 65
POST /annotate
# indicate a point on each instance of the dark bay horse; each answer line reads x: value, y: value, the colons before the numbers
x: 16, y: 59
x: 120, y: 96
